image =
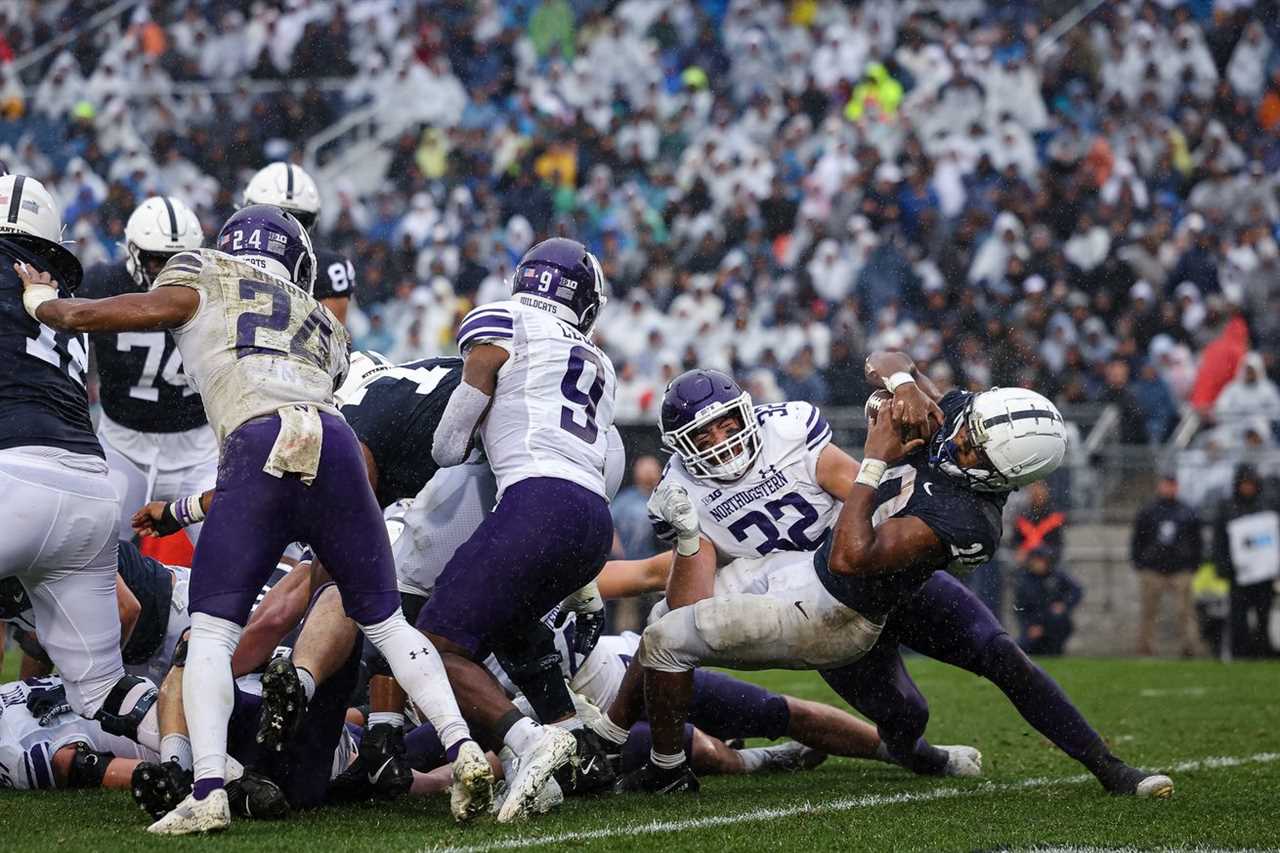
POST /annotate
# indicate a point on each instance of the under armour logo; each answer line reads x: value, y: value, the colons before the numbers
x: 414, y: 655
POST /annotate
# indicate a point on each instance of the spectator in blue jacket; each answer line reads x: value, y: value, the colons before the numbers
x: 1043, y: 600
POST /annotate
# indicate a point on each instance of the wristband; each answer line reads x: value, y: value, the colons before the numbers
x: 187, y: 511
x: 870, y: 473
x: 682, y: 546
x: 897, y: 380
x: 35, y: 295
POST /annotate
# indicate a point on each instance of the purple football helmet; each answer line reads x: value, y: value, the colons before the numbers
x: 273, y: 240
x: 564, y: 277
x: 693, y: 401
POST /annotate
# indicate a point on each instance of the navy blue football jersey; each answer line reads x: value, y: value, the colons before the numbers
x: 151, y: 583
x: 335, y: 275
x: 967, y: 522
x: 396, y: 416
x: 141, y: 382
x: 42, y: 372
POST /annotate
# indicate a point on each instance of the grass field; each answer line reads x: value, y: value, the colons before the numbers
x: 1214, y: 727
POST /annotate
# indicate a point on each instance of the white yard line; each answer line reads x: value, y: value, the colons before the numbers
x: 826, y: 807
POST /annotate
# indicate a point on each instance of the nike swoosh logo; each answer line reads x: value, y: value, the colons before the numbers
x: 928, y: 488
x: 801, y: 609
x: 375, y: 775
x: 673, y: 786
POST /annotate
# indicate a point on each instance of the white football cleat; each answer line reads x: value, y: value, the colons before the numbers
x: 1156, y: 785
x: 962, y: 761
x: 472, y: 789
x: 791, y: 756
x: 211, y: 814
x: 550, y: 752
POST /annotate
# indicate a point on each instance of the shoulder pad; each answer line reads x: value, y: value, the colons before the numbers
x: 486, y: 323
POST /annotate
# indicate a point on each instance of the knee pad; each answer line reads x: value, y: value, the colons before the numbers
x: 126, y: 706
x: 374, y: 662
x: 672, y: 644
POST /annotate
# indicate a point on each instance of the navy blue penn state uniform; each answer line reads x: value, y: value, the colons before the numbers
x: 142, y: 384
x: 335, y: 276
x: 396, y: 416
x: 42, y: 372
x: 151, y: 583
x: 967, y: 522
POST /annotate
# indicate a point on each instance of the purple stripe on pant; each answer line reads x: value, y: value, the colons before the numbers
x: 545, y: 539
x: 255, y: 515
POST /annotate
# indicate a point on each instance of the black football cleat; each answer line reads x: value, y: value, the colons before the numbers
x: 380, y: 770
x: 283, y: 704
x: 590, y: 771
x: 1123, y: 780
x: 158, y: 788
x: 651, y: 779
x: 255, y: 796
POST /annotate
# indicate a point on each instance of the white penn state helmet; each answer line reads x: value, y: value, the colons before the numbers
x: 157, y: 229
x: 30, y: 217
x: 1020, y: 431
x: 365, y: 365
x: 288, y: 186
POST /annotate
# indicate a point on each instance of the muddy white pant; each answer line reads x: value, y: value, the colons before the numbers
x: 766, y: 613
x: 59, y: 540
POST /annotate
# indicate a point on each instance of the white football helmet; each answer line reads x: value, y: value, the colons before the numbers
x: 1020, y: 432
x: 365, y: 365
x: 157, y: 230
x: 288, y: 186
x: 30, y: 217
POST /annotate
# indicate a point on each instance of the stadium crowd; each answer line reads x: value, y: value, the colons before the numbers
x: 774, y: 188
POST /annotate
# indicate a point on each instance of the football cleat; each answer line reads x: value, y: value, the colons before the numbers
x: 380, y: 770
x: 651, y: 779
x: 791, y: 757
x: 472, y: 789
x: 255, y: 796
x: 211, y: 814
x: 589, y: 771
x: 159, y: 788
x: 549, y: 796
x: 533, y: 769
x: 283, y: 704
x: 1122, y: 780
x: 962, y: 761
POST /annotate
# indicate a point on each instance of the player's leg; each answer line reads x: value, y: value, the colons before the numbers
x: 60, y: 541
x: 945, y: 621
x: 130, y: 481
x: 345, y: 528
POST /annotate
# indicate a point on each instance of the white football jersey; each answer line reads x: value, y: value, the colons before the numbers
x: 27, y: 743
x: 553, y: 406
x: 257, y: 343
x: 778, y: 505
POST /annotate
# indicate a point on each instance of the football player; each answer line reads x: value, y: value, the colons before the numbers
x: 58, y: 504
x: 939, y: 507
x: 290, y: 188
x: 153, y: 427
x: 44, y: 745
x: 541, y: 395
x: 265, y: 357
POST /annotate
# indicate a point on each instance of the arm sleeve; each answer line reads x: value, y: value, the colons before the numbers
x: 488, y: 324
x: 452, y: 440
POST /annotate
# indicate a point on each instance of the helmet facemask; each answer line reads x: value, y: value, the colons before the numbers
x: 727, y: 460
x: 984, y: 477
x: 143, y: 265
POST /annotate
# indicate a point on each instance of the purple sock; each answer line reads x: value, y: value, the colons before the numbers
x: 205, y: 787
x: 452, y: 752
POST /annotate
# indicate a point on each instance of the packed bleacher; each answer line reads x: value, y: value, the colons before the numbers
x: 775, y: 188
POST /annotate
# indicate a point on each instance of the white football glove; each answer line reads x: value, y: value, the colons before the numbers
x: 672, y: 504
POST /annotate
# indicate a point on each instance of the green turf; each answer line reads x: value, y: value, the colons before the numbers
x: 1191, y: 710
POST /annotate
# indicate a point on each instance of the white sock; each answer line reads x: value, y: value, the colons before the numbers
x: 208, y: 692
x: 753, y: 759
x: 308, y: 682
x: 177, y: 748
x: 569, y: 723
x: 416, y: 664
x: 377, y: 718
x: 609, y: 730
x: 521, y: 736
x: 666, y: 762
x: 148, y: 733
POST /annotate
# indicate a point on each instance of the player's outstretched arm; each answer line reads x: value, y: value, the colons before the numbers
x: 898, y: 544
x: 625, y: 578
x: 161, y: 308
x: 836, y: 471
x: 468, y: 403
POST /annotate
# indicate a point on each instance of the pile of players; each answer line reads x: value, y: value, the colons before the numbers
x: 333, y: 497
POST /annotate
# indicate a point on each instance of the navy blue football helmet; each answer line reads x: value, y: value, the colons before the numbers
x: 272, y: 240
x: 564, y: 277
x: 693, y: 401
